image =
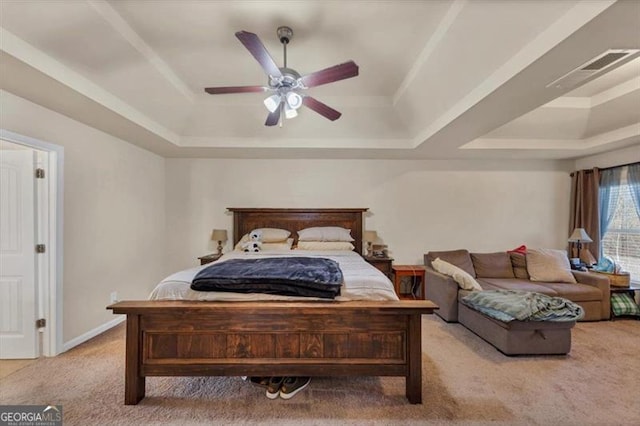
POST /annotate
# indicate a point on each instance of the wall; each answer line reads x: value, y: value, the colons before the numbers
x: 610, y: 159
x: 114, y: 216
x: 415, y: 206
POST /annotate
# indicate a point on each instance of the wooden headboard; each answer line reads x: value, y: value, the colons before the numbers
x: 247, y: 219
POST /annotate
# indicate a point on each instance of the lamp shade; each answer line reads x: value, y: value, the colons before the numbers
x: 370, y: 236
x: 219, y: 235
x: 579, y: 235
x: 273, y: 102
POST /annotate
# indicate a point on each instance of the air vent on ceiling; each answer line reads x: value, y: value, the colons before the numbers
x: 594, y: 66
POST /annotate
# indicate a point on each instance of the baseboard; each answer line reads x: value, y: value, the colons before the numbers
x: 92, y: 333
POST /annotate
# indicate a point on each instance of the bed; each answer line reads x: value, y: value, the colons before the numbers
x: 275, y: 338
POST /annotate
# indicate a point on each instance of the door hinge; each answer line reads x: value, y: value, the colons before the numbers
x: 39, y: 173
x: 41, y: 248
x: 40, y: 323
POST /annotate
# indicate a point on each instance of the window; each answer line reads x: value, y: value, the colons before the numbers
x: 621, y: 242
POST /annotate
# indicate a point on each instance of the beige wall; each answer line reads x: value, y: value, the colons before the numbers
x: 415, y: 206
x: 610, y: 159
x: 114, y: 213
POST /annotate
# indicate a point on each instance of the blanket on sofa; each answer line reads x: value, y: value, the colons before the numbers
x: 288, y: 276
x: 509, y: 305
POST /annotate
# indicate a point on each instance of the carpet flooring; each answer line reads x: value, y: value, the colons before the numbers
x: 465, y: 382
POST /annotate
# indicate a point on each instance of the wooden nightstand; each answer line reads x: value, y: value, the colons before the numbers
x: 416, y: 272
x: 381, y: 263
x: 209, y: 258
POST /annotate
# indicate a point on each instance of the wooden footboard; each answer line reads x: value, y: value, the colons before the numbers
x: 179, y: 338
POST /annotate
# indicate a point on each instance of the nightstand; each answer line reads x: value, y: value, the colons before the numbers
x: 381, y: 263
x: 416, y: 274
x: 209, y: 258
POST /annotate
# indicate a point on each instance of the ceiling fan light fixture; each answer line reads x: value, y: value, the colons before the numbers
x: 284, y: 83
x: 273, y: 102
x: 289, y: 112
x: 294, y: 100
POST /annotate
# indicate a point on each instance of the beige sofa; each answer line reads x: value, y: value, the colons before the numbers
x: 508, y: 271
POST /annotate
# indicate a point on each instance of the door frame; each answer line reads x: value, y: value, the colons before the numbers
x: 50, y: 221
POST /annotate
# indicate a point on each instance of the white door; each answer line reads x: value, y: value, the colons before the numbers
x: 18, y: 337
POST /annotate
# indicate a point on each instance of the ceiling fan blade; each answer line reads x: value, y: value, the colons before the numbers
x: 235, y: 89
x: 331, y: 74
x: 257, y: 49
x: 273, y: 117
x: 321, y: 108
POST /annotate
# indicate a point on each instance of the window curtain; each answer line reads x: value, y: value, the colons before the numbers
x: 609, y: 192
x: 633, y: 179
x: 584, y: 206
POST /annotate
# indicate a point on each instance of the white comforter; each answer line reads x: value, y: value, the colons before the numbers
x: 361, y: 280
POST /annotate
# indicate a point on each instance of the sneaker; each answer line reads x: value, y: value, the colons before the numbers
x: 293, y: 385
x: 273, y: 388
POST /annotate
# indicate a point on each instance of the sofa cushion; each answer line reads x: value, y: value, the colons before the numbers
x: 516, y: 284
x: 464, y: 280
x: 519, y: 264
x: 492, y: 265
x: 459, y: 258
x: 549, y: 265
x: 575, y: 292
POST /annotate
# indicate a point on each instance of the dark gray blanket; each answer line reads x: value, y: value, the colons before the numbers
x: 288, y: 276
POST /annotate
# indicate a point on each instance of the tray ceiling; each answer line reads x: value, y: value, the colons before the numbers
x: 438, y: 79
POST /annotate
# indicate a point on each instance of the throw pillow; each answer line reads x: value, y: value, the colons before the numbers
x: 549, y: 265
x: 464, y: 280
x: 459, y: 258
x: 623, y: 304
x: 492, y: 265
x: 522, y: 250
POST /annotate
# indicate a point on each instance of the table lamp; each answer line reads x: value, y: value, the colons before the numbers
x: 370, y: 237
x: 580, y: 236
x: 219, y: 235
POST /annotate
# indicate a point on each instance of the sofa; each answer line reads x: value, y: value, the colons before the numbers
x: 508, y: 271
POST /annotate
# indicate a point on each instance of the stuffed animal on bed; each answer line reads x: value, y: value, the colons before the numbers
x: 252, y: 246
x: 255, y: 242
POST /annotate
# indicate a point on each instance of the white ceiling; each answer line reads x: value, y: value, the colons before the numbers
x: 438, y: 79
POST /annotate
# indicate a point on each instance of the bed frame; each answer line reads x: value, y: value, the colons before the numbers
x: 363, y: 338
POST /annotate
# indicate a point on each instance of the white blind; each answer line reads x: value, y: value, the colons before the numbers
x: 622, y: 240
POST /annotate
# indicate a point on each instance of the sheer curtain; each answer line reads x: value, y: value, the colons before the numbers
x: 633, y: 179
x: 609, y: 192
x: 584, y: 206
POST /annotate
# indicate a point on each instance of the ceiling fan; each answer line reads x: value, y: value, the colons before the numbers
x: 287, y: 84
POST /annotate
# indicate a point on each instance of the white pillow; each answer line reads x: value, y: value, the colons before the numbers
x: 285, y: 245
x: 273, y: 235
x: 325, y: 233
x: 549, y: 265
x: 324, y: 245
x: 282, y: 245
x: 464, y: 280
x: 243, y: 240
